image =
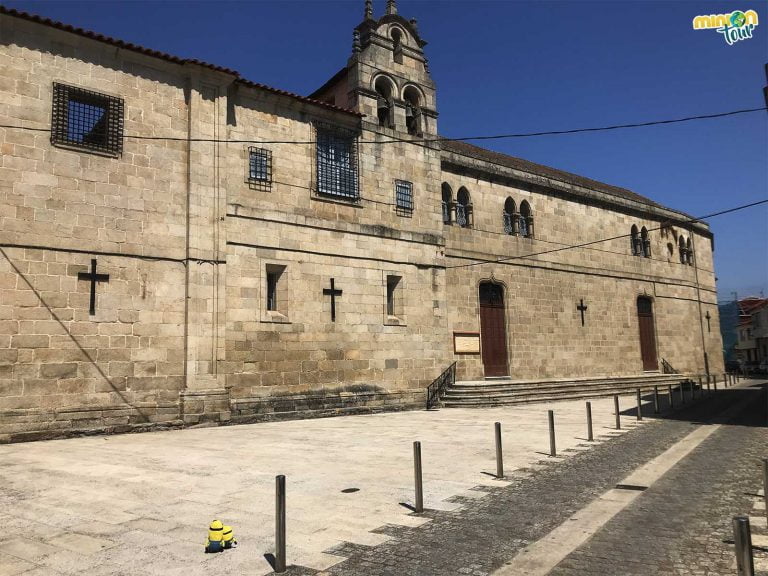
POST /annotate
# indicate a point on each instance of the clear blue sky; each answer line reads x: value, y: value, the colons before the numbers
x: 508, y: 67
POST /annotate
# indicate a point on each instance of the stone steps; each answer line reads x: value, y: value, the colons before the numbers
x: 505, y: 392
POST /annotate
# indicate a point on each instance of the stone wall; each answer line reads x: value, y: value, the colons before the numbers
x: 182, y: 333
x: 544, y: 282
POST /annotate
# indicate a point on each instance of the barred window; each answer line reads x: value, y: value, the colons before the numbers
x: 403, y: 197
x: 259, y: 168
x: 509, y: 216
x: 87, y: 120
x: 337, y: 163
x: 646, y: 242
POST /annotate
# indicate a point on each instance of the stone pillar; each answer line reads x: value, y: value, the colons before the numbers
x: 205, y: 397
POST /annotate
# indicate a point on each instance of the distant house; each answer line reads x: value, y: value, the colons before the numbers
x: 752, y: 332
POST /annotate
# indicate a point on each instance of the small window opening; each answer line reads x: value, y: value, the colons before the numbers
x: 272, y: 278
x: 403, y: 198
x: 259, y: 168
x: 87, y: 120
x: 274, y: 289
x: 526, y: 220
x: 689, y: 252
x: 637, y: 244
x: 682, y: 250
x: 397, y: 45
x: 509, y: 217
x: 447, y: 203
x: 337, y: 163
x: 463, y: 208
x: 384, y: 102
x: 394, y: 296
x: 646, y: 242
x: 412, y: 111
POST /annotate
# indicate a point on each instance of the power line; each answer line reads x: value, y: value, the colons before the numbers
x: 429, y: 140
x: 585, y: 244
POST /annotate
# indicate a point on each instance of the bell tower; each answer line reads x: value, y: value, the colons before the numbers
x: 387, y: 77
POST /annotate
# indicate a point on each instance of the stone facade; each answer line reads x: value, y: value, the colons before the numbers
x: 214, y: 308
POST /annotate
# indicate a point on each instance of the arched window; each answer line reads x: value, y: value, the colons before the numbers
x: 646, y: 242
x: 682, y: 249
x: 384, y: 103
x: 447, y: 203
x: 412, y: 110
x: 463, y: 208
x: 637, y: 245
x: 525, y: 222
x: 509, y: 216
x: 397, y: 44
x: 689, y: 252
x: 397, y: 38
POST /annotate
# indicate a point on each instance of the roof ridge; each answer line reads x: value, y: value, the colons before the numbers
x: 509, y: 161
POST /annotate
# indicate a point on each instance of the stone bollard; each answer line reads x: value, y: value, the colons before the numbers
x: 616, y: 411
x: 742, y: 540
x: 590, y: 436
x: 552, y: 447
x: 656, y: 408
x: 280, y: 561
x: 639, y: 405
x: 418, y: 485
x: 499, y: 453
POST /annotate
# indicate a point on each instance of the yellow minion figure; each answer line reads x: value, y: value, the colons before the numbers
x: 215, y: 541
x: 229, y: 538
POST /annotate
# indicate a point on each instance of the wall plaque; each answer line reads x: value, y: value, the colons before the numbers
x: 466, y: 342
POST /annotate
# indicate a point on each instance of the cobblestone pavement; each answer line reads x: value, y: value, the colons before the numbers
x: 687, y: 514
x: 681, y: 525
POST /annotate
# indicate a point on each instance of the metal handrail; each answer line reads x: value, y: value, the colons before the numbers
x: 439, y: 385
x: 667, y: 368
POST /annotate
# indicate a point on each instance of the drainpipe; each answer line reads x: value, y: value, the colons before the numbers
x: 188, y: 185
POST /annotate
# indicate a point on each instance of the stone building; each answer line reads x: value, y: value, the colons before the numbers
x: 180, y: 244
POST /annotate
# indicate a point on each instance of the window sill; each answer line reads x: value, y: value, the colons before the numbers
x: 87, y: 150
x: 273, y: 317
x: 330, y: 199
x: 394, y: 321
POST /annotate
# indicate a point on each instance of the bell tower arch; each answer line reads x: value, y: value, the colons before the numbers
x: 387, y: 76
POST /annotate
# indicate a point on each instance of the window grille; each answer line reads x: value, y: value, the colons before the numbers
x: 646, y: 242
x: 403, y: 197
x: 523, y: 223
x: 509, y: 226
x: 337, y: 163
x: 259, y: 168
x: 87, y: 120
x: 461, y: 215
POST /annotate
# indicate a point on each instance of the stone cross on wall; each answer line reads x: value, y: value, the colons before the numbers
x: 332, y: 292
x: 93, y: 278
x: 581, y: 308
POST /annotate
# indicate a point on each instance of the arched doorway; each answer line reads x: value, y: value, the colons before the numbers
x: 647, y: 333
x: 493, y: 331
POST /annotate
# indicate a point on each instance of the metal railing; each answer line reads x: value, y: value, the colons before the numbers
x: 667, y: 368
x: 436, y: 390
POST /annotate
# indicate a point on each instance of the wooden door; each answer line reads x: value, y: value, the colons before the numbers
x: 647, y: 333
x: 493, y: 332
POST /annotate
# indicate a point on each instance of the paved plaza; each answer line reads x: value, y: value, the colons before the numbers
x: 140, y: 504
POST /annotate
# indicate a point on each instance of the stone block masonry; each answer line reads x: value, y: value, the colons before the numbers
x: 212, y: 303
